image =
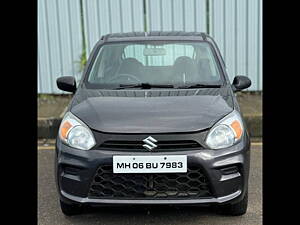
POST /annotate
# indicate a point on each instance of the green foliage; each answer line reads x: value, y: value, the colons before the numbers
x: 83, y: 61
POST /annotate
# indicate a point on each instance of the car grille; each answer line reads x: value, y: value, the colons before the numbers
x: 161, y: 145
x: 192, y: 184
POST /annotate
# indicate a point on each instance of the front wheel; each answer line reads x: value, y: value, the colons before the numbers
x: 237, y: 209
x: 70, y: 209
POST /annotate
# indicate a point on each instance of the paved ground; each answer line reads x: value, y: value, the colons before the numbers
x: 49, y: 211
x: 51, y: 105
x: 250, y: 103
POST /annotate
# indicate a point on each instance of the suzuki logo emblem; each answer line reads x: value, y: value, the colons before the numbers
x: 149, y: 143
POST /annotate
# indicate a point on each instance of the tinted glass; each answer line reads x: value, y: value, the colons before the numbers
x: 155, y: 63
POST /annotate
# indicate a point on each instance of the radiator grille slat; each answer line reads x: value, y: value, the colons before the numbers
x: 161, y: 145
x: 192, y: 184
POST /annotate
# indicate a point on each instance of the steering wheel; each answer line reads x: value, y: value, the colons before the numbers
x: 126, y: 77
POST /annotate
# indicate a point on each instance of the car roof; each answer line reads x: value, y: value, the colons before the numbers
x: 154, y: 35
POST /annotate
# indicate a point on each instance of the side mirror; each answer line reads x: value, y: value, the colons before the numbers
x: 240, y: 82
x: 66, y: 83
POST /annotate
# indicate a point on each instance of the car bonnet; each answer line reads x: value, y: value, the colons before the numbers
x: 151, y: 111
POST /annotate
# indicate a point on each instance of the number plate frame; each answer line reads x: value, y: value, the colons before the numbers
x: 150, y: 164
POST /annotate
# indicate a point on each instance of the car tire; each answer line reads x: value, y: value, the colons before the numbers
x: 70, y: 209
x: 237, y: 209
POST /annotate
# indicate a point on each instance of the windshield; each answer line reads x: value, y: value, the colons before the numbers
x: 155, y: 63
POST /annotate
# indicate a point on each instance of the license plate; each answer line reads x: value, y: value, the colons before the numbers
x: 150, y: 164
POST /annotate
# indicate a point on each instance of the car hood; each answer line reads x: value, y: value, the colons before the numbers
x: 169, y: 114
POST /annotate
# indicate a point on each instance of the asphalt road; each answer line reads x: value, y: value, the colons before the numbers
x: 49, y: 210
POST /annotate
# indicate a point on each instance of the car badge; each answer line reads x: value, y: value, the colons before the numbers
x: 149, y: 143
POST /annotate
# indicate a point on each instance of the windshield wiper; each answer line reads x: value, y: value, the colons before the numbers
x: 145, y: 86
x: 200, y: 86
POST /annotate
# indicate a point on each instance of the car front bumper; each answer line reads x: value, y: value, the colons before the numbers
x: 73, y: 186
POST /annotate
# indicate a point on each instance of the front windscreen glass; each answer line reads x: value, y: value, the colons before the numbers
x: 155, y: 62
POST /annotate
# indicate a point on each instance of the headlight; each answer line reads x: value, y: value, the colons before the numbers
x: 226, y: 132
x: 75, y: 133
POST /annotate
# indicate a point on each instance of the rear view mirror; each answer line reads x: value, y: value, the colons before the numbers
x: 240, y: 82
x: 154, y: 52
x: 66, y: 83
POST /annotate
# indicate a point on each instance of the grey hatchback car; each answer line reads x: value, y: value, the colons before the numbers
x: 153, y: 120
